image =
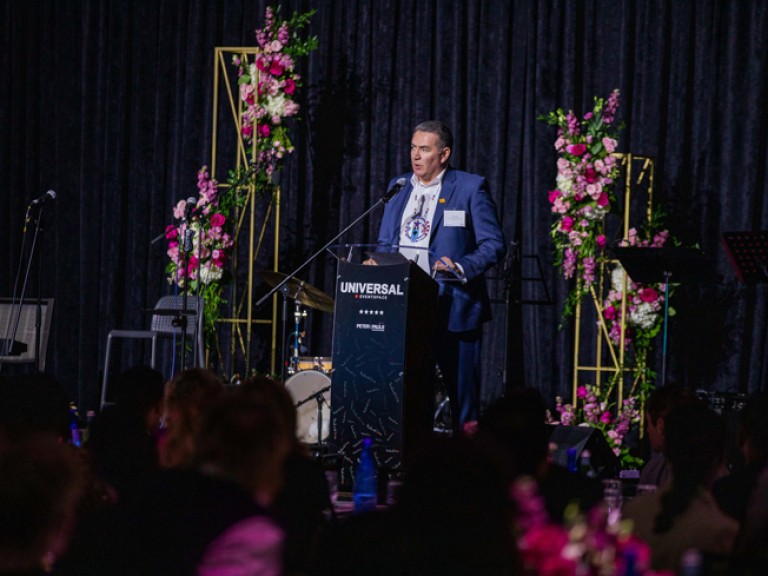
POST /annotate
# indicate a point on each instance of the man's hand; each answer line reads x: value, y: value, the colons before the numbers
x: 445, y: 264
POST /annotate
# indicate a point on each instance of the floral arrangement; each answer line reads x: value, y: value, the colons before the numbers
x: 268, y: 89
x: 593, y: 408
x: 588, y: 542
x: 586, y: 173
x: 645, y: 303
x: 201, y: 270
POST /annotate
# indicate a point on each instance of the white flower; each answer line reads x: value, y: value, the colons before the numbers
x: 565, y: 185
x: 210, y: 273
x: 617, y: 278
x: 643, y: 316
x: 275, y: 105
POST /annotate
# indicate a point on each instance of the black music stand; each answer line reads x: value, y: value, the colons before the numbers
x: 748, y: 253
x: 652, y: 265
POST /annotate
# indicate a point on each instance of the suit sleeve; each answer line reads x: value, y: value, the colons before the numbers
x: 489, y: 237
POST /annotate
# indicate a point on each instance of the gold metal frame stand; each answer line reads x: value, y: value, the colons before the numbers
x: 250, y: 228
x: 638, y: 174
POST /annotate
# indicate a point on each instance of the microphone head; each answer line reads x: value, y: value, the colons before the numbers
x: 192, y: 201
x: 51, y: 194
x: 396, y: 187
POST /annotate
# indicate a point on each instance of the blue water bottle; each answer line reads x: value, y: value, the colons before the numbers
x: 364, y: 489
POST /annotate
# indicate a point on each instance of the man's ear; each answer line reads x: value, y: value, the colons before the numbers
x: 444, y: 155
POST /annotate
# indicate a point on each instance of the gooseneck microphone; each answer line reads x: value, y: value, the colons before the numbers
x: 396, y: 187
x: 48, y: 195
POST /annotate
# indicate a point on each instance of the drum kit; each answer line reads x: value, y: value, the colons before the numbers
x: 309, y: 377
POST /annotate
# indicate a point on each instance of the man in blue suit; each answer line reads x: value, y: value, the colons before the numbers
x: 445, y: 220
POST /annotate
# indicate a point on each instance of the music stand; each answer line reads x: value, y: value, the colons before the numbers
x: 748, y: 253
x: 652, y: 265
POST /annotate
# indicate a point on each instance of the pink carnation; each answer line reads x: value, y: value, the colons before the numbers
x: 567, y: 224
x: 218, y: 219
x: 576, y: 149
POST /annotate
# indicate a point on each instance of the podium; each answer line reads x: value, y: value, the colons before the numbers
x: 382, y: 385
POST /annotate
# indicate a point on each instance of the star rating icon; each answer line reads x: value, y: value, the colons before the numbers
x: 368, y: 312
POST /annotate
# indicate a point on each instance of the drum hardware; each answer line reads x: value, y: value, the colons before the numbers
x: 303, y: 293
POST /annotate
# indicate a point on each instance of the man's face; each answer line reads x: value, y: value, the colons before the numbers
x: 427, y: 158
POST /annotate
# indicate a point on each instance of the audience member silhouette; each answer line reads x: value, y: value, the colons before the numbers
x: 657, y: 471
x: 211, y: 517
x: 516, y: 423
x: 122, y: 447
x: 734, y: 491
x: 188, y: 398
x: 40, y: 487
x: 123, y: 438
x: 751, y: 555
x: 302, y: 505
x: 683, y: 514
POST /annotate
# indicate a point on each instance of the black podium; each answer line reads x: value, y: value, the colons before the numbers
x: 383, y: 364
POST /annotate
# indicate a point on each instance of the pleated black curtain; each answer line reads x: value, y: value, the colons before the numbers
x: 109, y: 103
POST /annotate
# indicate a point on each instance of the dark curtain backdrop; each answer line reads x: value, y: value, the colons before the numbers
x: 108, y: 103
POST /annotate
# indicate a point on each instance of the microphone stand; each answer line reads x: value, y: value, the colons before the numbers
x: 320, y: 399
x: 383, y: 200
x: 181, y: 320
x: 185, y: 245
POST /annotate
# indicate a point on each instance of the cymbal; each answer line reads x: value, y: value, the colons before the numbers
x: 298, y: 289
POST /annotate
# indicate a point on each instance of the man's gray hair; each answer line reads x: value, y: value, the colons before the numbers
x: 444, y: 135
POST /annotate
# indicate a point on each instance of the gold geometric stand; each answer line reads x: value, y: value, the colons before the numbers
x: 638, y: 174
x: 251, y: 227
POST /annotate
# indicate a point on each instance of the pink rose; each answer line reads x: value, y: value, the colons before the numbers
x: 601, y: 241
x: 246, y: 93
x: 276, y: 69
x: 576, y: 149
x: 264, y: 130
x: 218, y: 219
x: 567, y: 224
x: 590, y: 175
x: 609, y: 144
x: 603, y: 200
x: 581, y: 392
x: 290, y: 86
x: 648, y: 295
x: 610, y: 313
x: 171, y: 232
x: 606, y: 417
x: 554, y: 195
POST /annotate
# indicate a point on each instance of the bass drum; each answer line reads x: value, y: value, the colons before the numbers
x: 303, y: 387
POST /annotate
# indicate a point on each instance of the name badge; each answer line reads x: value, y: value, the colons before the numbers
x: 455, y: 218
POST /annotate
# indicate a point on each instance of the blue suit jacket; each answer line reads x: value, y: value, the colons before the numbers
x: 476, y: 246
